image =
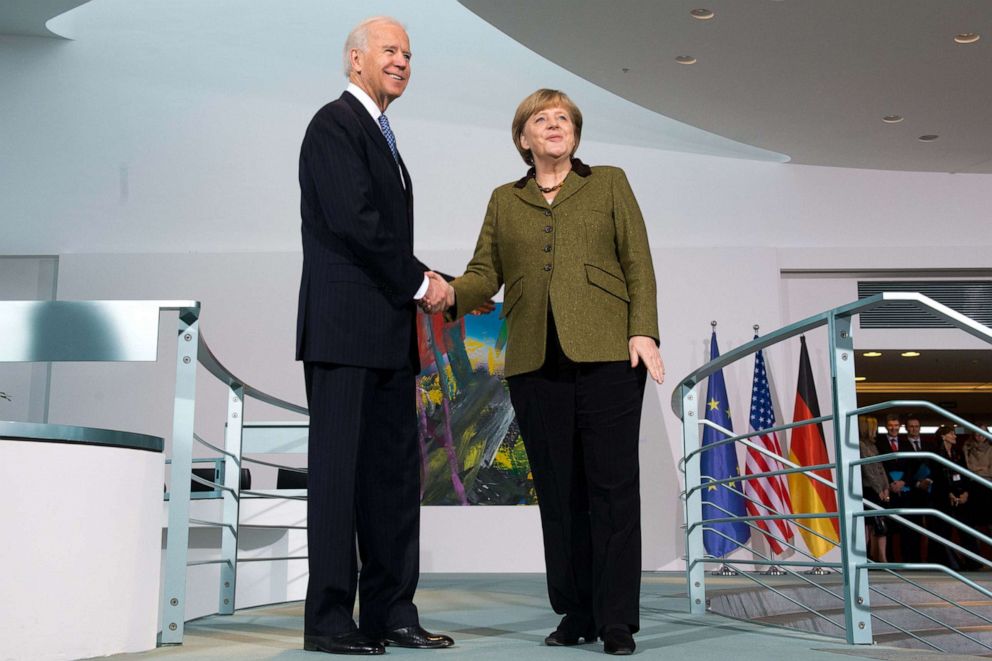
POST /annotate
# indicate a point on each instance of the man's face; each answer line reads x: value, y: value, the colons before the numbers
x: 383, y: 70
x: 893, y: 427
x: 913, y: 428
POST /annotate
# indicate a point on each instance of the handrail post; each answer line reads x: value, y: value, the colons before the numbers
x: 232, y: 480
x: 695, y: 569
x: 854, y: 556
x: 177, y: 543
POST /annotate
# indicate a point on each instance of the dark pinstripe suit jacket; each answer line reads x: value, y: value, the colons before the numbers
x: 359, y: 272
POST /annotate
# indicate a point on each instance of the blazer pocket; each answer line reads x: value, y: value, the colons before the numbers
x: 511, y: 296
x: 608, y: 282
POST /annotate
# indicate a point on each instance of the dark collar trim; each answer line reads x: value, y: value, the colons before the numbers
x: 578, y: 167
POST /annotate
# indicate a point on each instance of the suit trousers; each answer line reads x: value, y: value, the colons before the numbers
x: 580, y: 424
x: 364, y: 482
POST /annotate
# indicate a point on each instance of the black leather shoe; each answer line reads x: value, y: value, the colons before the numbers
x: 618, y: 640
x: 416, y: 637
x: 571, y: 631
x: 349, y: 642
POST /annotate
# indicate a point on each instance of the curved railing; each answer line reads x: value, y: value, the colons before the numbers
x: 104, y: 331
x: 855, y: 588
x: 231, y: 458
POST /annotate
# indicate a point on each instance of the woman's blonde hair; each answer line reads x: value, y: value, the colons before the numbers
x: 542, y: 100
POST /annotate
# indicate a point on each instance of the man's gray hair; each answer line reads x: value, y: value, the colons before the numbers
x: 358, y: 38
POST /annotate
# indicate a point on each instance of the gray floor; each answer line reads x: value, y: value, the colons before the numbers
x: 506, y: 616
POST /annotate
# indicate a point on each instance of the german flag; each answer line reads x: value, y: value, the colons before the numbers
x: 808, y: 448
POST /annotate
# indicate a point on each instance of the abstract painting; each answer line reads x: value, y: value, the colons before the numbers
x: 470, y: 446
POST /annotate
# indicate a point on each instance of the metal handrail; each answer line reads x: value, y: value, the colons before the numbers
x: 959, y: 320
x: 195, y: 352
x: 226, y: 376
x: 852, y: 508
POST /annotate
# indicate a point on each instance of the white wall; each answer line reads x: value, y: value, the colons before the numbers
x: 157, y: 156
x: 79, y: 555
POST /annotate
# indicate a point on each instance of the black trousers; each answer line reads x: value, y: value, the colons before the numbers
x: 363, y: 481
x: 580, y: 424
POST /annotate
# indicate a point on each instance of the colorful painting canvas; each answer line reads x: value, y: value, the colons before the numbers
x: 470, y: 446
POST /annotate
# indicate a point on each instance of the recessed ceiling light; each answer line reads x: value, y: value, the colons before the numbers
x: 625, y: 69
x: 967, y: 37
x: 910, y: 354
x: 872, y: 354
x: 892, y: 119
x: 859, y: 378
x: 685, y: 59
x: 928, y: 138
x: 705, y: 14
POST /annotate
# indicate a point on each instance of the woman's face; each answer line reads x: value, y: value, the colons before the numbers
x: 549, y: 134
x: 950, y: 437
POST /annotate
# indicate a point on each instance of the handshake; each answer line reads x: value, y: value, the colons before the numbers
x: 440, y: 295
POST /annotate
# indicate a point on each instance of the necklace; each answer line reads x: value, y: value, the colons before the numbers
x: 550, y: 189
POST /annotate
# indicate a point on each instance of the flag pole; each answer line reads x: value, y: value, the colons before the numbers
x: 724, y: 569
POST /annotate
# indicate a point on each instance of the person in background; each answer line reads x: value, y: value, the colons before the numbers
x: 951, y: 495
x: 895, y: 470
x: 978, y: 459
x: 875, y: 487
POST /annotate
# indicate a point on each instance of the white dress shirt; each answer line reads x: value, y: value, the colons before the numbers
x: 374, y: 111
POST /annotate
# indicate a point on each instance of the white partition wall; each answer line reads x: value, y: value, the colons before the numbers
x: 80, y: 551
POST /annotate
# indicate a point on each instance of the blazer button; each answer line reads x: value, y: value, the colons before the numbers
x: 547, y: 267
x: 547, y: 229
x: 547, y: 212
x: 547, y: 247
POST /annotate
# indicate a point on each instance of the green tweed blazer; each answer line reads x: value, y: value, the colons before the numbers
x: 586, y: 254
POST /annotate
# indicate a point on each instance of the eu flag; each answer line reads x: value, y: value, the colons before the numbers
x: 720, y: 463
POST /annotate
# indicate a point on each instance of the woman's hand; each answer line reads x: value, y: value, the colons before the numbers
x: 643, y: 349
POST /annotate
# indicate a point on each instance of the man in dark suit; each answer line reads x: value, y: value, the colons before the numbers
x: 903, y: 486
x: 919, y: 481
x: 356, y: 336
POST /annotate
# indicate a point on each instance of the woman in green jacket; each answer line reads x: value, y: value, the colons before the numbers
x: 569, y: 243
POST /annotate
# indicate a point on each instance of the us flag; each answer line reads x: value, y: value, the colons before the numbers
x: 766, y: 495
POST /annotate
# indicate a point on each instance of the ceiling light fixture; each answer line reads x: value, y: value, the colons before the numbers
x: 685, y: 59
x: 910, y: 354
x: 967, y: 38
x: 892, y: 119
x: 706, y: 14
x: 872, y: 354
x: 859, y: 378
x: 928, y: 138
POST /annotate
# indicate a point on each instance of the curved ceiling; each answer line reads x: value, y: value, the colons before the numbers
x: 806, y: 78
x: 30, y: 17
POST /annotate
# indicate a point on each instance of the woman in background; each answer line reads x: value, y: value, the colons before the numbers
x: 950, y: 493
x: 875, y: 487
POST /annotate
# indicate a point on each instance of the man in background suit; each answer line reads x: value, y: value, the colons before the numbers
x: 356, y: 336
x: 919, y: 481
x: 904, y: 488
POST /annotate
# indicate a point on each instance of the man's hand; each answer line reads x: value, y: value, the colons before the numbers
x: 643, y: 348
x: 440, y: 295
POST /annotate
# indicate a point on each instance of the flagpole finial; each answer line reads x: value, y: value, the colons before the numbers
x: 713, y: 323
x: 756, y: 327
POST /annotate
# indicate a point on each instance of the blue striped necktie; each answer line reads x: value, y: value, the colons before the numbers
x: 390, y: 138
